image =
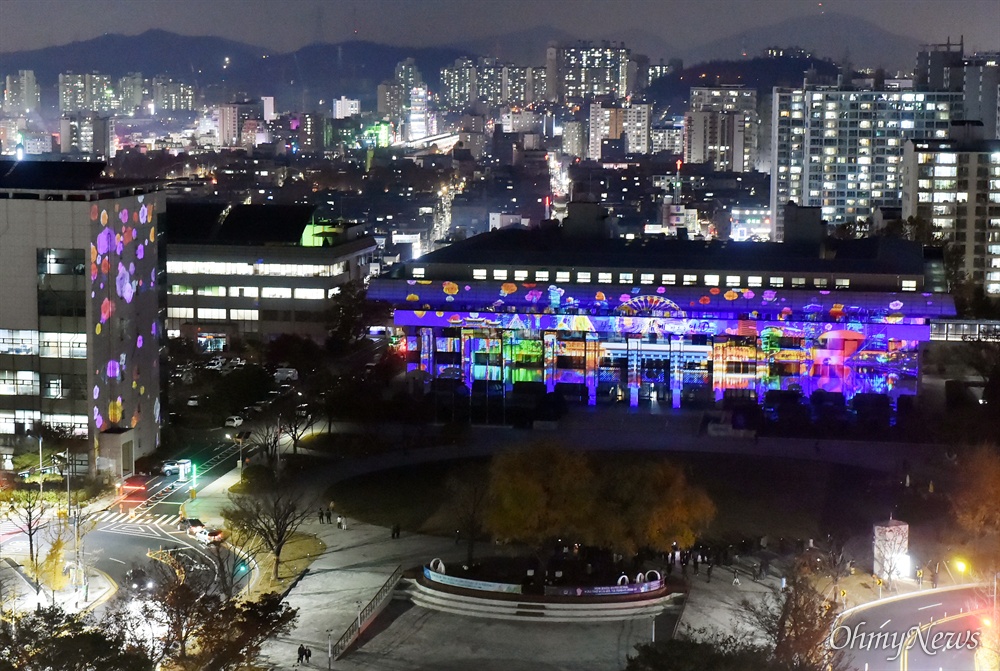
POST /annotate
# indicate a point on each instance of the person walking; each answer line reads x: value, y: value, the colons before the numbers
x: 343, y: 523
x: 309, y: 654
x: 302, y: 653
x: 708, y: 573
x: 340, y: 521
x: 736, y: 577
x: 329, y: 516
x: 321, y: 516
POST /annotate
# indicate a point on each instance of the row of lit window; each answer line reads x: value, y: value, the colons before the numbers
x: 213, y: 313
x: 19, y: 383
x: 45, y: 344
x: 252, y: 292
x: 13, y: 420
x: 267, y: 269
x: 669, y: 279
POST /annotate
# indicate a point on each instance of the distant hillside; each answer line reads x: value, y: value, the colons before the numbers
x: 825, y: 36
x: 314, y: 72
x: 760, y: 73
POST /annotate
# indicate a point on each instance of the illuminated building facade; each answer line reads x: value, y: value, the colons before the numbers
x: 669, y: 321
x: 586, y: 70
x: 21, y: 95
x: 79, y: 316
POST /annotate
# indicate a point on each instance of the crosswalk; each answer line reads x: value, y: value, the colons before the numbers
x: 107, y: 517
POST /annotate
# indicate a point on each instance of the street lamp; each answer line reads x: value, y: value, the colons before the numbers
x: 961, y: 566
x: 41, y: 482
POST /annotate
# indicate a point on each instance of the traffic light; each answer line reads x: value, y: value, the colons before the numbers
x: 241, y: 567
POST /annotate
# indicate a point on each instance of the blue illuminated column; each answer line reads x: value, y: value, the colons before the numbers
x: 427, y: 350
x: 676, y: 381
x: 549, y: 358
x: 593, y: 359
x: 633, y: 369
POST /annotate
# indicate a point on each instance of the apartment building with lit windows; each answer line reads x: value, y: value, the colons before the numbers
x: 841, y: 150
x: 955, y: 186
x: 255, y: 271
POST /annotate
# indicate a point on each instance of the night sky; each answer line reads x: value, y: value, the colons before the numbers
x: 285, y: 25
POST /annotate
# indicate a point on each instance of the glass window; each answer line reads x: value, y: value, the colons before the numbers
x: 755, y: 281
x: 479, y: 273
x: 180, y: 313
x: 777, y: 281
x: 583, y: 276
x: 181, y: 290
x: 711, y: 280
x: 500, y: 274
x: 690, y: 280
x: 604, y: 278
x: 798, y: 281
x: 732, y: 280
x: 646, y: 278
x: 309, y: 294
x: 541, y: 276
x: 842, y: 283
x: 668, y: 278
x: 211, y: 313
x: 18, y: 341
x: 625, y: 278
x: 248, y: 315
x: 909, y: 285
x: 562, y: 276
x: 520, y: 275
x: 276, y: 292
x: 819, y: 282
x: 244, y: 292
x: 419, y: 272
x: 211, y: 291
x: 63, y: 345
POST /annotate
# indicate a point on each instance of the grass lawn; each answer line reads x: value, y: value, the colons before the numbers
x: 298, y: 554
x: 754, y: 496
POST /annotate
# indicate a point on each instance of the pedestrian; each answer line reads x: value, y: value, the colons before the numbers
x: 708, y: 573
x: 329, y: 516
x: 302, y: 653
x: 309, y: 654
x: 934, y: 580
x: 344, y: 523
x: 321, y: 516
x: 736, y: 577
x: 756, y: 572
x: 694, y: 561
x: 331, y: 506
x: 340, y: 521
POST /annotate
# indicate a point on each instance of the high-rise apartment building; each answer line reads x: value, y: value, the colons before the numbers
x: 232, y: 117
x: 537, y: 85
x: 79, y: 319
x: 417, y: 122
x: 614, y: 123
x: 739, y: 131
x: 668, y: 137
x: 346, y: 108
x: 955, y: 186
x: 980, y: 77
x: 716, y: 138
x: 172, y: 96
x: 72, y: 93
x: 840, y: 150
x: 21, y: 95
x: 587, y: 70
x: 87, y: 133
x: 458, y: 85
x: 131, y: 92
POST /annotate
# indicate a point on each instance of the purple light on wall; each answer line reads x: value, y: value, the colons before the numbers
x: 113, y: 369
x: 138, y: 342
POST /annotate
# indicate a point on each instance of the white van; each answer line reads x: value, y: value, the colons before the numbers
x: 286, y: 375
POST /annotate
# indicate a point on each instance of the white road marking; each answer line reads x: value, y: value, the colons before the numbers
x: 933, y: 605
x: 117, y: 560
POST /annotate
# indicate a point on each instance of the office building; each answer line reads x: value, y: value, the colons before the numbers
x: 841, y: 149
x: 88, y: 133
x: 255, y: 271
x: 665, y: 321
x: 417, y: 121
x: 21, y: 95
x: 79, y: 318
x: 955, y: 186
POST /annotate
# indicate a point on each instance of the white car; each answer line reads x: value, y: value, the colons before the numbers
x: 234, y: 421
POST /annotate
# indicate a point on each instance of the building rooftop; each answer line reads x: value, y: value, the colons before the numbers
x: 215, y: 222
x: 59, y: 176
x: 510, y: 247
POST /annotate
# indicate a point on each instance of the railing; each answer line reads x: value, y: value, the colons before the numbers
x: 367, y: 613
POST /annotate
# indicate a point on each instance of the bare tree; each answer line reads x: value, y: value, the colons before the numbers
x: 266, y: 436
x: 234, y: 561
x: 295, y: 420
x: 183, y: 607
x: 26, y: 510
x: 469, y: 489
x: 274, y: 515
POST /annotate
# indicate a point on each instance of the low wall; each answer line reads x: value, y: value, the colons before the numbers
x: 550, y: 590
x: 466, y: 583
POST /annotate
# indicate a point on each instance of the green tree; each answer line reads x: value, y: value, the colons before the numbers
x: 26, y: 509
x: 182, y: 605
x: 975, y: 503
x: 540, y: 494
x: 648, y: 506
x: 351, y: 313
x: 52, y: 569
x: 52, y: 640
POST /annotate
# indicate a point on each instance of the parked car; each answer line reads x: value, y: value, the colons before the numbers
x: 208, y: 536
x: 193, y: 402
x: 191, y: 525
x: 234, y: 421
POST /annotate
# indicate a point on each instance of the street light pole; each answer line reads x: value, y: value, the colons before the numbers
x: 41, y: 482
x: 329, y: 648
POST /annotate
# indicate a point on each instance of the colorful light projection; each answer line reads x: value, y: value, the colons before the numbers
x: 123, y: 294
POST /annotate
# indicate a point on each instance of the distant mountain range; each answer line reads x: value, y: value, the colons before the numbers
x: 326, y: 71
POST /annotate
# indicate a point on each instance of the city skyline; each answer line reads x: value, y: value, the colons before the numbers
x: 286, y: 26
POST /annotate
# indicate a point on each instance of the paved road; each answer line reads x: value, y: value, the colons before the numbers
x: 914, y: 631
